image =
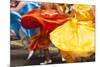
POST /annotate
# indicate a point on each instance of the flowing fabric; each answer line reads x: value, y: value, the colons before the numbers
x: 76, y: 37
x: 46, y: 20
x: 16, y: 19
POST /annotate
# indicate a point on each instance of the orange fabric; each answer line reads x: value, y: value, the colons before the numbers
x: 47, y: 20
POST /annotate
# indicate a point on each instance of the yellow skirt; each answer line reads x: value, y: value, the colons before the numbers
x: 75, y: 39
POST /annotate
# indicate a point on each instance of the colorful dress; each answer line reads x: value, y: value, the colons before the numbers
x: 76, y: 37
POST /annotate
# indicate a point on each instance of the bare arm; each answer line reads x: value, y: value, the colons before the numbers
x: 58, y: 9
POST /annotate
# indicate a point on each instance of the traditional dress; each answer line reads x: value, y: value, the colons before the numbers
x: 47, y: 20
x: 76, y: 37
x: 16, y: 18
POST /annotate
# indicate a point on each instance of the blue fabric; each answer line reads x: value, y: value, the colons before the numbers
x: 15, y: 19
x: 28, y: 7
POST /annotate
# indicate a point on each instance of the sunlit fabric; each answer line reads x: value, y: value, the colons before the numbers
x: 76, y: 37
x: 84, y: 12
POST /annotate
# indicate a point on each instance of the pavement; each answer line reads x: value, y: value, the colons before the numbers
x: 19, y: 55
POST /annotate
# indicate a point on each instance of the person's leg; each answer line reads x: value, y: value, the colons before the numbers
x: 62, y: 58
x: 47, y: 56
x: 23, y: 37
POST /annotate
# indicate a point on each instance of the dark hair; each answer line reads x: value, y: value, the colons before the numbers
x: 14, y: 1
